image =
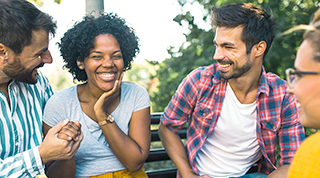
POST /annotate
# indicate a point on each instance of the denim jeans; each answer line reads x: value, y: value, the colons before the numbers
x: 255, y: 175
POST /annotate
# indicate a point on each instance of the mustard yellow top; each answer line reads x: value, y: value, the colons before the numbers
x: 306, y: 162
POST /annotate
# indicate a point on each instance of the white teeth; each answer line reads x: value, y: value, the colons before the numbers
x: 106, y: 74
x: 224, y: 65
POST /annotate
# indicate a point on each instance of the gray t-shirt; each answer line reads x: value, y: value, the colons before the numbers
x: 94, y: 156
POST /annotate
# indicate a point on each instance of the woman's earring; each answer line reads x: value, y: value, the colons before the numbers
x: 80, y: 65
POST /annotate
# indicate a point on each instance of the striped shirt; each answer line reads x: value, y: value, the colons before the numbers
x: 198, y: 101
x: 21, y: 128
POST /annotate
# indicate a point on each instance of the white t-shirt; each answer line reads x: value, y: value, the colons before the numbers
x: 94, y: 156
x: 233, y: 147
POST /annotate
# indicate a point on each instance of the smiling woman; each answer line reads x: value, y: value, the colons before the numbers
x: 304, y: 84
x: 115, y: 115
x: 104, y: 65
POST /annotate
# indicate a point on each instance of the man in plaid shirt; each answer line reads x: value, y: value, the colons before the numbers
x: 234, y: 109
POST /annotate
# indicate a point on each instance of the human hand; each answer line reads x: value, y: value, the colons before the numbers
x: 53, y: 148
x: 191, y: 174
x: 106, y: 99
x: 71, y: 131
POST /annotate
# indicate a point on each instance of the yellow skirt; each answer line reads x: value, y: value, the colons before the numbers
x: 123, y: 174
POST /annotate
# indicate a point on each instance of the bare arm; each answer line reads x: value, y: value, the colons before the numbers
x: 280, y: 172
x: 133, y: 149
x: 176, y: 151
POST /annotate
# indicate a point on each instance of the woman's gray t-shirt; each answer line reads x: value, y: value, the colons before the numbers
x: 94, y: 156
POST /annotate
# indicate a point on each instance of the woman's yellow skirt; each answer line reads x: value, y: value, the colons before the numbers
x: 123, y: 174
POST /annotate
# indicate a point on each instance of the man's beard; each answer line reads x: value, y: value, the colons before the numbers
x: 17, y: 72
x: 238, y: 72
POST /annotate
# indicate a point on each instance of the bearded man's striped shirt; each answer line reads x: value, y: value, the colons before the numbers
x: 21, y: 128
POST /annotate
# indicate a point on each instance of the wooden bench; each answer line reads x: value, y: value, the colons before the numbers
x: 160, y: 154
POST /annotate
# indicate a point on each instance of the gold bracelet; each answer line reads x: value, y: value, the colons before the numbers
x: 108, y: 120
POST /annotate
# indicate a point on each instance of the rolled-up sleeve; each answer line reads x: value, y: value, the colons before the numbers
x: 292, y: 132
x: 181, y: 105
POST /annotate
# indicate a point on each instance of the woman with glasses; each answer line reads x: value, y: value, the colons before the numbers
x: 304, y: 83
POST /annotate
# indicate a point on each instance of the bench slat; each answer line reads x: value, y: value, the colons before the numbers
x: 164, y: 173
x: 155, y: 118
x: 160, y: 154
x: 157, y: 155
x: 155, y: 137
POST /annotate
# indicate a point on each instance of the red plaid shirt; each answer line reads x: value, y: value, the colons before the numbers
x: 198, y: 101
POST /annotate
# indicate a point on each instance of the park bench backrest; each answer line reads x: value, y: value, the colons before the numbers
x: 160, y: 154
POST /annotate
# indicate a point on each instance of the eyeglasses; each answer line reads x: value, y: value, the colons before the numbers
x: 292, y: 75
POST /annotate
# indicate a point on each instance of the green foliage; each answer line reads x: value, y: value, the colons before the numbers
x: 171, y: 72
x: 59, y: 79
x: 140, y: 74
x: 58, y: 1
x: 198, y: 48
x: 310, y: 131
x: 40, y: 2
x: 287, y: 14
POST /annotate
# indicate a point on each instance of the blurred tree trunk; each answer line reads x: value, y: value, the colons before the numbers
x: 94, y: 7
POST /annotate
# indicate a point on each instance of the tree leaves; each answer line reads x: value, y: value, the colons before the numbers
x: 198, y: 49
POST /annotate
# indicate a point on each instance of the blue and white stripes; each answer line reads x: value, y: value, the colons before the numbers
x: 21, y: 128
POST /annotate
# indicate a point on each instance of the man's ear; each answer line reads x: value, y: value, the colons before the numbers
x: 260, y: 48
x: 3, y: 53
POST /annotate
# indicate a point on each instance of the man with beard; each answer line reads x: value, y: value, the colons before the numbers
x: 234, y: 109
x: 24, y: 39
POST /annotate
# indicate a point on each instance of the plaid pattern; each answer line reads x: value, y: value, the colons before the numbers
x: 198, y: 101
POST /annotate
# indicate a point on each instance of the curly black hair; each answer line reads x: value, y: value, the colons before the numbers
x: 78, y: 41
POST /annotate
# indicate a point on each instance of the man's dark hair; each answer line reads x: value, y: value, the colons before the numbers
x: 257, y: 24
x: 18, y: 18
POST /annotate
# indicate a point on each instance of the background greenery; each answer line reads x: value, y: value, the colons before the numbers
x: 198, y: 49
x: 161, y: 79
